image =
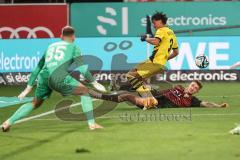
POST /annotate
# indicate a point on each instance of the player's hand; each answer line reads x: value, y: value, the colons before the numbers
x: 224, y: 105
x: 99, y: 87
x: 24, y: 93
x: 145, y: 36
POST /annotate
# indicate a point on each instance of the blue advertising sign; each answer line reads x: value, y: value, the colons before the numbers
x: 122, y: 53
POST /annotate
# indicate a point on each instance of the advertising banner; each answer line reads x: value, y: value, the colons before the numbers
x: 122, y: 53
x: 32, y: 21
x: 129, y: 19
x: 20, y: 78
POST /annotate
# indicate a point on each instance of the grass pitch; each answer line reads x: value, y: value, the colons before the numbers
x: 129, y: 133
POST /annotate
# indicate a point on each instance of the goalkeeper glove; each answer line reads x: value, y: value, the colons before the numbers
x: 99, y: 87
x: 145, y: 36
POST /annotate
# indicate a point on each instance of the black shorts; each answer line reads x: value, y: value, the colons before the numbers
x: 163, y: 102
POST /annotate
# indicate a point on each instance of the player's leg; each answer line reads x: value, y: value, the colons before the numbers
x: 22, y: 112
x: 87, y: 105
x: 80, y: 89
x: 137, y: 77
x: 134, y: 81
x: 41, y: 93
x: 73, y: 87
x: 147, y: 102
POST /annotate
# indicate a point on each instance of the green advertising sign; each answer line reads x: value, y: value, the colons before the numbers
x: 129, y: 19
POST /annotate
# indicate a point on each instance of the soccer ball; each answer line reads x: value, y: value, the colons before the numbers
x: 202, y: 61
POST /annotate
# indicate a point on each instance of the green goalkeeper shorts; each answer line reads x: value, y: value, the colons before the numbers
x: 42, y: 91
x: 65, y: 86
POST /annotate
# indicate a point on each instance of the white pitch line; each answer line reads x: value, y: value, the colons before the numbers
x: 112, y: 117
x: 45, y: 114
x: 48, y: 113
x: 76, y: 104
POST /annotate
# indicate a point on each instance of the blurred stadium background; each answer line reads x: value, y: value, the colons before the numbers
x: 108, y: 35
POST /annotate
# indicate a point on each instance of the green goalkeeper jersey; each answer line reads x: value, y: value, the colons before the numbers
x: 59, y: 58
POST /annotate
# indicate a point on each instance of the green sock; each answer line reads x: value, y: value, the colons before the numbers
x: 87, y: 107
x: 86, y: 73
x: 22, y: 112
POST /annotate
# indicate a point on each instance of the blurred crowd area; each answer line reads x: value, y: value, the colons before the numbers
x: 72, y: 1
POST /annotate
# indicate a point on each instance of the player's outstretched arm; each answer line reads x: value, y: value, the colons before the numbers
x: 234, y: 66
x: 153, y: 41
x: 83, y: 69
x: 32, y: 78
x: 90, y: 79
x: 36, y: 71
x: 213, y: 105
x: 150, y: 39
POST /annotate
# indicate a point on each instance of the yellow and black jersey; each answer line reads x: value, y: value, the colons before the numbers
x: 168, y: 41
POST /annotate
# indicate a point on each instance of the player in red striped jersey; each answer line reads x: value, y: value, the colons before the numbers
x: 177, y: 96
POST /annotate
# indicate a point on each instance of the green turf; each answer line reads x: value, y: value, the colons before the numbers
x: 203, y: 134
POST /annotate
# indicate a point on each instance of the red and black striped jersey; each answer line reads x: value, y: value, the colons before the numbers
x: 178, y: 97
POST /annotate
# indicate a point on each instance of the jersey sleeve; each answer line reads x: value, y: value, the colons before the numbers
x: 159, y: 34
x: 195, y: 102
x: 77, y: 57
x: 36, y: 71
x: 175, y: 43
x: 83, y: 69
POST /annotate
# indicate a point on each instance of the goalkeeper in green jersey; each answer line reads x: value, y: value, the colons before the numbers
x: 53, y: 74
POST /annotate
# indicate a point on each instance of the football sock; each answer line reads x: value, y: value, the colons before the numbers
x: 87, y: 107
x: 134, y: 81
x: 22, y: 112
x: 125, y: 86
x: 95, y: 94
x: 138, y: 85
x: 110, y: 97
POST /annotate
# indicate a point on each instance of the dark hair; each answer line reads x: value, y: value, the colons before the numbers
x: 160, y: 16
x: 198, y: 83
x: 68, y: 31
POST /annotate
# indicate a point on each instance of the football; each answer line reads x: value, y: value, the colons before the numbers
x: 202, y: 61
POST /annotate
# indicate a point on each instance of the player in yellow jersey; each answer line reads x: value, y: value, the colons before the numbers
x: 165, y: 48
